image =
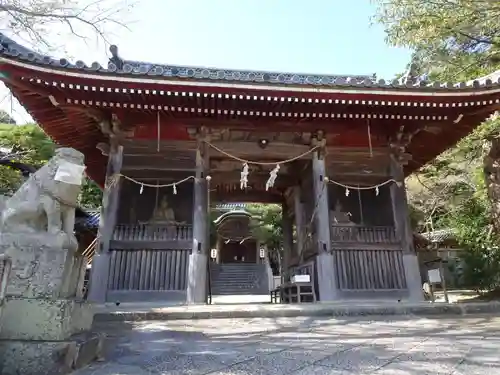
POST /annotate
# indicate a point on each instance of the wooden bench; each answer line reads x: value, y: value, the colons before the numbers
x: 293, y: 293
x: 276, y: 294
x: 297, y: 292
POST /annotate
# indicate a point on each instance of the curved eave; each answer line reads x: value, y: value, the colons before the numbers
x: 67, y: 128
x: 455, y: 109
x: 152, y: 80
x: 231, y: 215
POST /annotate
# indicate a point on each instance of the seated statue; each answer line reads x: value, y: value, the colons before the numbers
x: 46, y: 202
x: 337, y: 216
x: 163, y: 213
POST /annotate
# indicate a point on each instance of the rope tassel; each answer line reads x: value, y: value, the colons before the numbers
x: 244, y: 177
x: 272, y: 177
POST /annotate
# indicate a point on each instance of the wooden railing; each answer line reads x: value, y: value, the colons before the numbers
x: 363, y: 234
x: 148, y: 270
x: 369, y: 270
x: 152, y: 232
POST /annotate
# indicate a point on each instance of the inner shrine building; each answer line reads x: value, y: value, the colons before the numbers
x: 167, y: 142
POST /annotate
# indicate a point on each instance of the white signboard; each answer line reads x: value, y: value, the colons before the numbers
x: 70, y: 173
x: 262, y: 253
x: 434, y: 276
x: 301, y: 279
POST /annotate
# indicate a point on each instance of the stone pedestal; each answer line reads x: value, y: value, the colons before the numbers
x: 325, y: 273
x: 197, y: 278
x: 413, y: 279
x: 45, y: 324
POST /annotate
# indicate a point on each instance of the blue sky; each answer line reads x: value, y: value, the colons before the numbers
x: 314, y: 36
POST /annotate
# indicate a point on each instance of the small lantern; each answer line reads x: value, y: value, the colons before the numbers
x: 262, y: 253
x: 213, y: 253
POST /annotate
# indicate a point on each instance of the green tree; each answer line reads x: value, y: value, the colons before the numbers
x: 5, y: 118
x: 28, y: 144
x: 268, y: 229
x: 35, y: 19
x: 455, y: 40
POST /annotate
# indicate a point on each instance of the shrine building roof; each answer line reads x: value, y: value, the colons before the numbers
x: 69, y: 100
x: 132, y: 69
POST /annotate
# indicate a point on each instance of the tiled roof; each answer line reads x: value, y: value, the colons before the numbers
x: 438, y: 235
x: 230, y: 206
x: 87, y: 218
x: 118, y: 66
x: 90, y: 218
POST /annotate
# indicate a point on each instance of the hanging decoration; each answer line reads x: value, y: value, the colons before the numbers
x: 372, y: 187
x: 245, y: 168
x: 244, y: 177
x: 369, y: 138
x: 158, y: 126
x: 173, y: 185
x: 240, y: 240
x: 272, y: 177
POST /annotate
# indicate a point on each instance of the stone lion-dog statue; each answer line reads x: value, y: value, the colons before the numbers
x: 46, y: 202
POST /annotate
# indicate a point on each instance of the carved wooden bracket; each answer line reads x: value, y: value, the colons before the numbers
x: 402, y: 140
x: 111, y: 125
x: 203, y: 134
x: 319, y: 140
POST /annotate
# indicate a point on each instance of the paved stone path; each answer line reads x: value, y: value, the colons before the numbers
x: 303, y: 346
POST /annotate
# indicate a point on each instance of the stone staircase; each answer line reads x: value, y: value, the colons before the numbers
x: 239, y: 279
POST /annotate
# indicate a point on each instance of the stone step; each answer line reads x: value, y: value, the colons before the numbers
x: 142, y: 312
x: 244, y: 276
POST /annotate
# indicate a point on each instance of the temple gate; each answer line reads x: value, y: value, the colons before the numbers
x: 166, y: 143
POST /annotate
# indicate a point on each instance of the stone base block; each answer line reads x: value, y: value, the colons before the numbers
x: 325, y: 273
x: 413, y: 279
x: 41, y: 265
x: 49, y: 358
x: 197, y: 278
x: 44, y: 319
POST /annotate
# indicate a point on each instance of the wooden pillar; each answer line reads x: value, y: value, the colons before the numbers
x: 286, y: 222
x: 300, y: 224
x: 197, y: 270
x: 325, y: 266
x: 404, y: 232
x: 98, y: 284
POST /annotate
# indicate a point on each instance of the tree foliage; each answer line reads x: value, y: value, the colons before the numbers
x: 35, y: 19
x: 455, y: 40
x: 30, y: 145
x: 5, y: 118
x: 268, y: 228
x: 452, y: 39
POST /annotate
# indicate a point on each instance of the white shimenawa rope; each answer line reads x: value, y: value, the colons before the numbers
x: 272, y: 175
x: 251, y: 162
x: 376, y: 187
x: 173, y: 185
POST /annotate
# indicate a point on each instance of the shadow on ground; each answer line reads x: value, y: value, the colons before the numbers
x: 381, y: 345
